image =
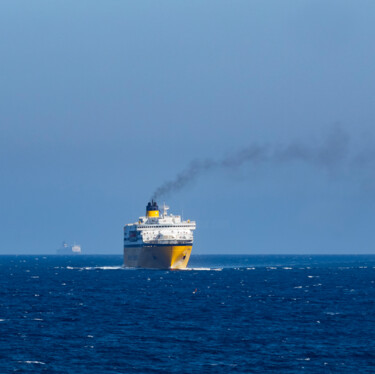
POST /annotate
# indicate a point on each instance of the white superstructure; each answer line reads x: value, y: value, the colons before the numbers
x: 163, y: 229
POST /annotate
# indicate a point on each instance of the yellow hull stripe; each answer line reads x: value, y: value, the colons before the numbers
x: 165, y: 257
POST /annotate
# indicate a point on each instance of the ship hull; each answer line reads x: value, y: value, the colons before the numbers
x: 157, y: 256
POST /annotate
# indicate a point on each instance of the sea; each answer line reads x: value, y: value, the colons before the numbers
x: 224, y: 314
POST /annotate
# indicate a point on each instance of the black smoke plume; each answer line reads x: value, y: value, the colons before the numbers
x: 328, y: 154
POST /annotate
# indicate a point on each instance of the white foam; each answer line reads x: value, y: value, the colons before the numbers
x: 129, y: 268
x: 35, y: 362
x: 96, y: 268
x: 203, y: 269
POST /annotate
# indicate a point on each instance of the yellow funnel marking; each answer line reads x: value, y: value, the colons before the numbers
x: 153, y: 213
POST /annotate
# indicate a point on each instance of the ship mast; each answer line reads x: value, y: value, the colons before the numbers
x: 165, y: 210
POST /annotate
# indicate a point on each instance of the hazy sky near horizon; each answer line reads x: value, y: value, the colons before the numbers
x: 102, y: 102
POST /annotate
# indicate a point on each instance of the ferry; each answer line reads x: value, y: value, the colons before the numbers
x: 67, y: 249
x: 158, y: 240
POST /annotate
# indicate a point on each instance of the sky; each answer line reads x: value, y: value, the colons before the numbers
x: 103, y: 102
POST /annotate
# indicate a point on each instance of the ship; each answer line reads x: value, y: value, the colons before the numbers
x: 67, y: 249
x: 158, y: 240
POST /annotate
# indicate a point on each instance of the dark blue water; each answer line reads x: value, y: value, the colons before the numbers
x: 244, y: 314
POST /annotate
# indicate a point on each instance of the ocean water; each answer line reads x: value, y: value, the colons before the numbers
x: 240, y: 314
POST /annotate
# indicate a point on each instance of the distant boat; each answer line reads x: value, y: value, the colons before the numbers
x: 67, y: 249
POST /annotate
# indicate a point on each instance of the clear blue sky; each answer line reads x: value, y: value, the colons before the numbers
x: 103, y: 101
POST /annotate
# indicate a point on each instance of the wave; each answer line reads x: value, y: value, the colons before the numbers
x: 97, y: 268
x: 34, y: 362
x: 202, y: 269
x: 129, y: 268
